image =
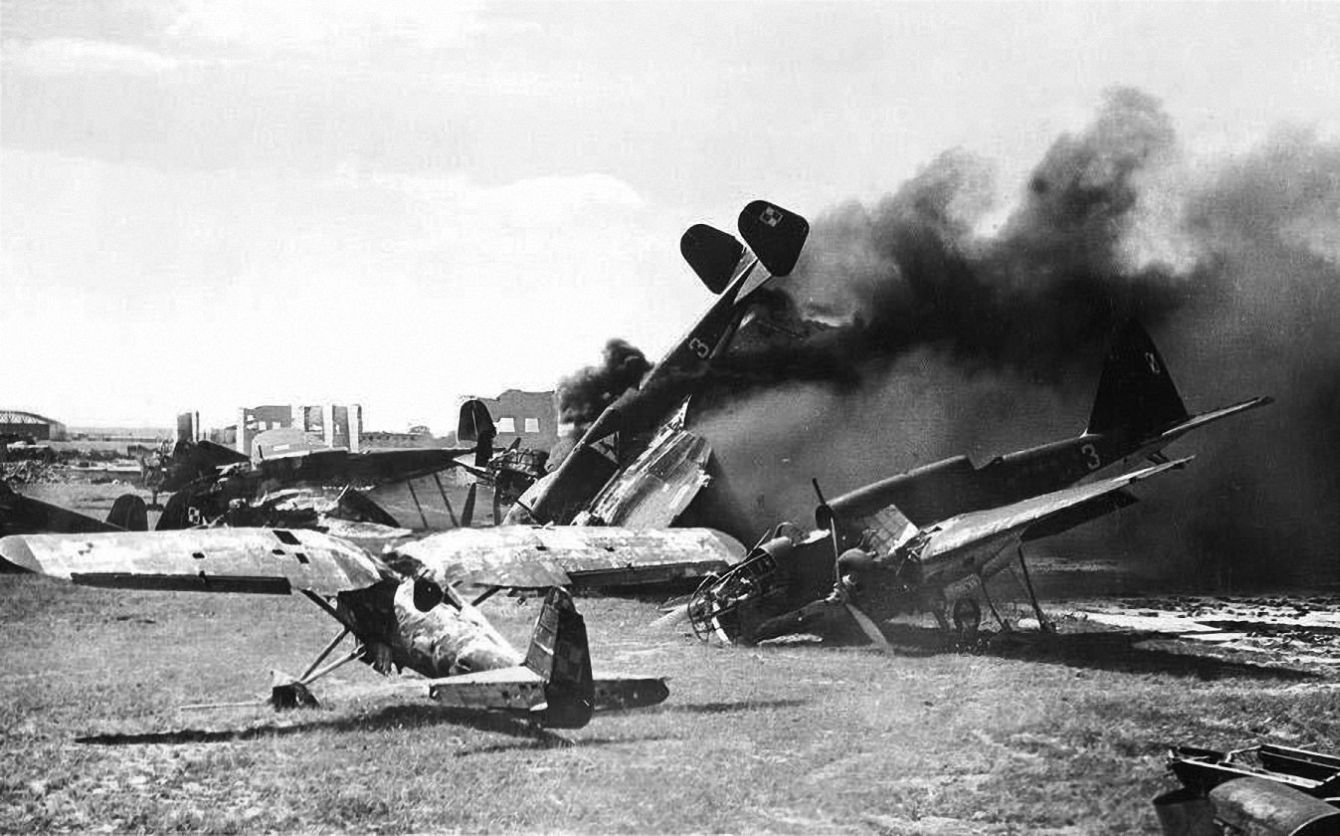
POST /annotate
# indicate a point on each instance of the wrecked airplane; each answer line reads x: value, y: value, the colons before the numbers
x: 638, y: 451
x: 401, y: 611
x: 909, y: 529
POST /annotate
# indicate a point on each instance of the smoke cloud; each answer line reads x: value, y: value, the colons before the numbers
x: 954, y: 339
x: 585, y: 393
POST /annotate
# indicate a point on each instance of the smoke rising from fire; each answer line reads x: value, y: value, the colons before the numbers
x: 584, y: 394
x: 960, y: 340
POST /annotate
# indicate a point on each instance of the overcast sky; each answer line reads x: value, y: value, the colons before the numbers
x: 211, y: 204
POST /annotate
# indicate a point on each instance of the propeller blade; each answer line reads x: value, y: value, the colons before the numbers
x: 468, y: 512
x: 868, y: 626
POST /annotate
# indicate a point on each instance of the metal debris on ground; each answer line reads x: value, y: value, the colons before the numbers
x: 1265, y: 789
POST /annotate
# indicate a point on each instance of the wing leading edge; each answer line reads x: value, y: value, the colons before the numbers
x: 581, y: 556
x: 966, y: 530
x: 256, y: 560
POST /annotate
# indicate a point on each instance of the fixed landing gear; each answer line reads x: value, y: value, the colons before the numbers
x: 1044, y: 624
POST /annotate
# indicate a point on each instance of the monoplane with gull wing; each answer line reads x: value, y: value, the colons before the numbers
x: 404, y: 610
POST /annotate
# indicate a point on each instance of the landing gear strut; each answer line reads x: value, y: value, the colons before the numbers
x: 1043, y: 623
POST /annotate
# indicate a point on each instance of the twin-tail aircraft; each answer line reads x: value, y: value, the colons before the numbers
x: 638, y: 465
x: 923, y: 540
x: 403, y: 610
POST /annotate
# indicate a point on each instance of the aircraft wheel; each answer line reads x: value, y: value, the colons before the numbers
x: 967, y: 615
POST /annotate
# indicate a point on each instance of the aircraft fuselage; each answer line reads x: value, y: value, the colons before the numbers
x: 438, y: 642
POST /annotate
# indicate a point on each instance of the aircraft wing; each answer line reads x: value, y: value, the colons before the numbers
x: 656, y: 488
x: 520, y: 690
x: 967, y: 530
x: 584, y: 556
x: 255, y: 560
x: 24, y: 515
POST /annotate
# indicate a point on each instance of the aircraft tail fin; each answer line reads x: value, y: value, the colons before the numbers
x: 1136, y: 394
x: 560, y: 655
x: 129, y: 512
x: 476, y: 424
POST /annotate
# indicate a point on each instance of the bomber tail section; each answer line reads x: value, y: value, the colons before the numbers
x: 1136, y: 394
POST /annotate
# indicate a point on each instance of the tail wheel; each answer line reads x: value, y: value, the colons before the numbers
x: 967, y: 617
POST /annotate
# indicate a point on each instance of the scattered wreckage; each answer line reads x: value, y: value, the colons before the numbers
x: 404, y: 610
x: 1265, y: 790
x: 211, y: 483
x: 923, y: 540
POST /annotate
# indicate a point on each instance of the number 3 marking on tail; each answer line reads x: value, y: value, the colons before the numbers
x: 1152, y: 363
x: 1091, y: 457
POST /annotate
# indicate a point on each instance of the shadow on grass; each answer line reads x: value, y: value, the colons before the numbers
x: 554, y: 741
x: 385, y: 719
x: 728, y: 707
x: 1132, y: 652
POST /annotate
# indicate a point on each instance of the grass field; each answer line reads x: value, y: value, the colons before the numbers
x: 1026, y: 735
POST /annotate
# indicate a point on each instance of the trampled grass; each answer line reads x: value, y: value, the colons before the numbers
x: 1028, y: 735
x: 788, y: 738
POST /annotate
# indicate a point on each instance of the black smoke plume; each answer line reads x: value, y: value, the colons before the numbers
x: 585, y: 393
x: 954, y: 340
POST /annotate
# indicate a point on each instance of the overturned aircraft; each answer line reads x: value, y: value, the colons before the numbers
x: 638, y: 464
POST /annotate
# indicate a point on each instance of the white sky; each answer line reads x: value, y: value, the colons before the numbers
x: 206, y: 204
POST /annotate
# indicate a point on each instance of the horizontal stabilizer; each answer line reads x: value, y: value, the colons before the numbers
x: 257, y: 560
x: 712, y: 254
x: 774, y: 234
x: 520, y: 690
x: 1197, y: 421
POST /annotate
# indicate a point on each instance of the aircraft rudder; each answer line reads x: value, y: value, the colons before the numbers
x: 1136, y: 393
x: 129, y: 512
x: 560, y: 654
